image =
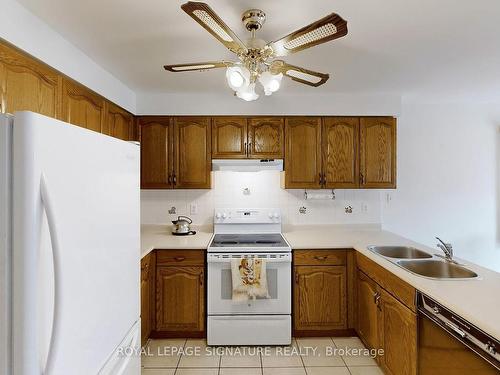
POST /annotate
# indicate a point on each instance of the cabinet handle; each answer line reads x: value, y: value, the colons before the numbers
x: 296, y: 278
x: 320, y: 179
x: 362, y: 178
x: 377, y: 301
x: 249, y: 149
x: 245, y: 145
x: 201, y: 278
x: 169, y: 178
x: 179, y: 259
x: 323, y: 257
x: 174, y: 179
x: 375, y: 295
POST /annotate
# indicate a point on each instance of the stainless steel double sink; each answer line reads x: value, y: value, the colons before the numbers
x: 422, y: 263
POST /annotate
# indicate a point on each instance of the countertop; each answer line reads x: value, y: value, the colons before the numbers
x: 477, y: 300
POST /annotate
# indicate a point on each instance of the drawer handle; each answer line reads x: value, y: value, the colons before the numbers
x: 322, y: 257
x: 201, y: 279
x: 179, y: 259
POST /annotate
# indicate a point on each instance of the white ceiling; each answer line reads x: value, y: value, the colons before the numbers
x: 393, y: 46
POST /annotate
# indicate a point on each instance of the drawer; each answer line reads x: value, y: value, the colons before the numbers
x: 319, y: 257
x: 180, y: 257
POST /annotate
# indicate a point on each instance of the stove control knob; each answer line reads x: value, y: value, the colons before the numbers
x: 276, y: 215
x: 270, y: 214
x: 217, y: 215
x: 224, y: 215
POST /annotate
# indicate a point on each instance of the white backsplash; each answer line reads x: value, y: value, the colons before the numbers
x: 264, y: 191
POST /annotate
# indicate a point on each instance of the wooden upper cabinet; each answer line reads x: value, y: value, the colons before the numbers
x: 192, y: 163
x: 229, y: 137
x: 340, y: 152
x: 378, y: 152
x: 367, y: 320
x: 398, y: 337
x: 156, y: 137
x: 27, y: 85
x: 302, y: 152
x: 320, y: 298
x: 82, y: 107
x: 265, y: 138
x: 180, y: 299
x: 119, y: 123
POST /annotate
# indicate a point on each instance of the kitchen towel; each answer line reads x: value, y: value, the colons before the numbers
x: 249, y: 279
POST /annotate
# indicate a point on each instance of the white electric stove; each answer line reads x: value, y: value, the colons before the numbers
x: 241, y: 233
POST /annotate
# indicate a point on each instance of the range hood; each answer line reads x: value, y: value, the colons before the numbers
x: 247, y: 165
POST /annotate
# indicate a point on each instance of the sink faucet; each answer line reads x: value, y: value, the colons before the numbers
x: 447, y: 249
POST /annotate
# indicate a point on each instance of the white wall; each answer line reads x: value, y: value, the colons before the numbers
x: 309, y: 103
x: 265, y: 191
x: 26, y: 31
x: 448, y: 177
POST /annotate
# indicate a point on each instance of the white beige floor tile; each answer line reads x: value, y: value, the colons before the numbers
x: 197, y: 371
x: 365, y: 370
x: 240, y: 371
x: 315, y: 341
x: 158, y: 371
x: 283, y: 356
x: 162, y: 353
x: 318, y: 352
x: 201, y: 358
x: 284, y: 371
x: 327, y: 371
x: 241, y: 357
x: 354, y: 359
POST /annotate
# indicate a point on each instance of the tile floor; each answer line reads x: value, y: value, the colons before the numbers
x: 306, y: 356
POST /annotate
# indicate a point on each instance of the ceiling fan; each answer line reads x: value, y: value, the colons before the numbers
x: 256, y: 58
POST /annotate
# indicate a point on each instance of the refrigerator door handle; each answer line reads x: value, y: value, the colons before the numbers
x: 51, y: 221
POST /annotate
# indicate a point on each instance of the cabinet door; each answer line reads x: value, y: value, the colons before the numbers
x: 367, y: 294
x: 146, y: 287
x: 82, y: 107
x: 302, y: 152
x: 119, y: 123
x: 320, y: 301
x: 156, y: 137
x: 398, y: 336
x: 192, y: 164
x: 27, y: 85
x: 378, y: 152
x: 340, y: 152
x: 180, y: 299
x: 229, y: 138
x: 265, y: 138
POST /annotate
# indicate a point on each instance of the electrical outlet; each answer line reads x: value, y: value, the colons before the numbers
x: 364, y: 207
x: 193, y: 209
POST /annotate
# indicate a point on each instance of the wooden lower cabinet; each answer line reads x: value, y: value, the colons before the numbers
x: 398, y: 336
x: 147, y: 296
x: 180, y: 300
x: 367, y: 294
x: 320, y: 298
x: 384, y: 322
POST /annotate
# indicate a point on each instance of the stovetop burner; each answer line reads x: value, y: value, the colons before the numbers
x: 249, y: 240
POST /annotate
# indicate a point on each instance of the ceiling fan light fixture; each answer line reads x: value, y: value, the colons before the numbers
x: 248, y: 93
x: 237, y: 77
x: 270, y: 82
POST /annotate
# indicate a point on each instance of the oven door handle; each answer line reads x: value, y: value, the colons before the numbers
x: 219, y: 258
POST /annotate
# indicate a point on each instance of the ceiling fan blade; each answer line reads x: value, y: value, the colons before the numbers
x: 207, y: 18
x: 197, y: 66
x: 328, y: 28
x: 298, y: 74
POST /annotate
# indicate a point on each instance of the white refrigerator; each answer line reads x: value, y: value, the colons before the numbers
x: 70, y: 250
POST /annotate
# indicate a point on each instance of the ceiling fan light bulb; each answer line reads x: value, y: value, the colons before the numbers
x: 248, y: 93
x: 270, y: 82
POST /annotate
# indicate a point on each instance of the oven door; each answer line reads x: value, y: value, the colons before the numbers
x: 219, y: 280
